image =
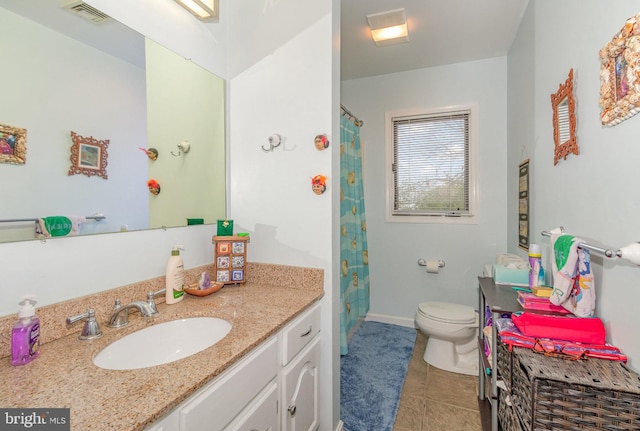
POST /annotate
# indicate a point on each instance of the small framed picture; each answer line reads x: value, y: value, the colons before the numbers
x: 88, y: 156
x: 13, y: 145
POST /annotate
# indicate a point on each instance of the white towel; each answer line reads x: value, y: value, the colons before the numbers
x: 573, y: 283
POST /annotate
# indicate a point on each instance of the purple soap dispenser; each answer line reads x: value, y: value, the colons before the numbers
x: 25, y: 335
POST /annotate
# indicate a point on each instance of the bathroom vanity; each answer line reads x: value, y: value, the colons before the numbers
x: 265, y: 371
x: 276, y: 382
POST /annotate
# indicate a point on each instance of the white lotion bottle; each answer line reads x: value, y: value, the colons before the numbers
x: 174, y: 277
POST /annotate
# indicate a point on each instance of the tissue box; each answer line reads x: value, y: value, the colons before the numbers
x: 514, y: 277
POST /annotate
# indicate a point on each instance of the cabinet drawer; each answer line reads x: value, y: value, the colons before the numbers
x: 218, y: 404
x: 261, y: 414
x: 299, y: 333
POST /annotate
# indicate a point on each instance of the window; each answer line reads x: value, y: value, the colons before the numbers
x: 430, y: 166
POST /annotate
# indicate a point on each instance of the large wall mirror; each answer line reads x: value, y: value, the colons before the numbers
x: 63, y: 73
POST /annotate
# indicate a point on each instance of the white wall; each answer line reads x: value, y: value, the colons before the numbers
x: 593, y: 195
x: 283, y: 75
x: 520, y: 130
x: 398, y: 284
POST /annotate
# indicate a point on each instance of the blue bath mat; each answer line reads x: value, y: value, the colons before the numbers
x: 372, y: 375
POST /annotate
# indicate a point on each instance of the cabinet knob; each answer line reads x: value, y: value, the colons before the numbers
x: 292, y: 410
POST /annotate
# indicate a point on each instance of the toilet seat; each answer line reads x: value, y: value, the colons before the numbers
x: 447, y: 312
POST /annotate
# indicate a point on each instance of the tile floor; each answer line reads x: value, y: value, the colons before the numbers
x: 436, y: 400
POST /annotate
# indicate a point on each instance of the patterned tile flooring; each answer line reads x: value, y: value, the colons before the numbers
x: 436, y: 400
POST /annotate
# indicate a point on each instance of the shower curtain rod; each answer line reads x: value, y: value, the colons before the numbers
x: 358, y: 121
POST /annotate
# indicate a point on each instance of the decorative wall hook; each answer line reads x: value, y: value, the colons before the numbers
x: 183, y: 147
x: 154, y: 186
x: 321, y: 142
x: 274, y: 142
x: 319, y: 184
x: 152, y: 153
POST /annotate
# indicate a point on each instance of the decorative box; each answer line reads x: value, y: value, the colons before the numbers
x: 225, y: 228
x: 229, y: 259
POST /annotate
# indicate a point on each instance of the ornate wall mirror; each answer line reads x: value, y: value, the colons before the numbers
x: 564, y: 121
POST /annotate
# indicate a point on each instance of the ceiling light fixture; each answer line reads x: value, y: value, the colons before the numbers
x: 389, y: 28
x: 204, y: 10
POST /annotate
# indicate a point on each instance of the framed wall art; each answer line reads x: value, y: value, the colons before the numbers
x: 89, y: 156
x: 523, y: 206
x: 620, y: 75
x: 13, y: 145
x: 564, y: 121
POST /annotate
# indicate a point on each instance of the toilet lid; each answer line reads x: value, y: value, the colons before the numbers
x: 447, y: 312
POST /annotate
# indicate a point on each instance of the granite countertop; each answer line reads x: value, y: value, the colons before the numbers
x: 65, y: 376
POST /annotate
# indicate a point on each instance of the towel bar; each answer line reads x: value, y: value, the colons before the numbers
x: 608, y: 252
x: 17, y: 220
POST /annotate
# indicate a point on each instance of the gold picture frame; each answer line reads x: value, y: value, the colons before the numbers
x: 13, y: 145
x: 89, y: 156
x: 620, y: 75
x: 564, y: 121
x: 523, y: 205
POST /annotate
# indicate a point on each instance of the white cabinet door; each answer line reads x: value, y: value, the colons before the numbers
x: 261, y: 414
x: 168, y: 423
x: 300, y: 390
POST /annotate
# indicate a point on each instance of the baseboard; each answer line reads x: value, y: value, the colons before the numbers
x: 340, y: 426
x: 400, y: 321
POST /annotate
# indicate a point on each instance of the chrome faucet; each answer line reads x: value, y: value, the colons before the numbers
x: 120, y: 313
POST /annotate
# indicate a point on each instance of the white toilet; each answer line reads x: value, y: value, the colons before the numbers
x: 453, y: 336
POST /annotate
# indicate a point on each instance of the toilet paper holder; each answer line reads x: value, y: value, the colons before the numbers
x: 423, y: 262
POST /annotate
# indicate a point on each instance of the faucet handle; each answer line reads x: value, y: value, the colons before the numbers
x: 152, y: 302
x: 151, y: 295
x: 91, y: 329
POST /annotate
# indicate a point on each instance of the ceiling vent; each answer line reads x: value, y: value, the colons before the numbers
x: 85, y: 11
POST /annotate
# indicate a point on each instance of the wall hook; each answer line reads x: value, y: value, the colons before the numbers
x: 274, y: 142
x: 183, y: 147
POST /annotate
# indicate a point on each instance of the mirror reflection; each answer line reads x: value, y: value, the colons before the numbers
x: 563, y: 121
x: 105, y: 82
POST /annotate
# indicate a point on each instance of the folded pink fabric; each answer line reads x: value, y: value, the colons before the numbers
x: 577, y: 329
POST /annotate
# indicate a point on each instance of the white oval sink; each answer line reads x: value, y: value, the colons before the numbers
x: 162, y: 343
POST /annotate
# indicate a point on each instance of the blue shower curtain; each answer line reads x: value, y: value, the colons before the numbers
x: 354, y: 259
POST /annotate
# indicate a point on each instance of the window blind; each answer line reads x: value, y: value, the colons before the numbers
x: 431, y: 164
